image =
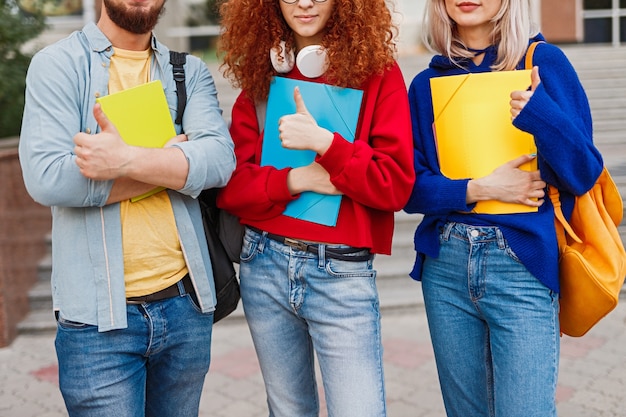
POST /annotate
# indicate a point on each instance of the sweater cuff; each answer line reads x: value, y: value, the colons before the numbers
x: 459, y: 188
x: 276, y: 187
x: 334, y: 159
x: 538, y: 112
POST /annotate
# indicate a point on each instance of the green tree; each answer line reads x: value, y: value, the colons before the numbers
x: 16, y: 28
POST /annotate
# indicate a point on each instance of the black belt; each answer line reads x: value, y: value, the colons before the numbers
x: 169, y: 292
x: 342, y: 254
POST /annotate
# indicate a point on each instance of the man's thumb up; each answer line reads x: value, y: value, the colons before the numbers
x: 103, y: 121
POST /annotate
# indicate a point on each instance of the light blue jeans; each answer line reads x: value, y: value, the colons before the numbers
x: 299, y: 305
x: 494, y: 327
x: 154, y: 368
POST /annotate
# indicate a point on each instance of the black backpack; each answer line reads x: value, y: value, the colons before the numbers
x: 224, y: 233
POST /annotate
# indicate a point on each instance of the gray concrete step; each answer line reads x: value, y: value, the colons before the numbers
x: 614, y: 125
x: 589, y: 56
x: 614, y: 89
x: 607, y: 138
x: 601, y: 71
x: 604, y: 89
x: 37, y: 321
x: 44, y: 268
x: 40, y: 296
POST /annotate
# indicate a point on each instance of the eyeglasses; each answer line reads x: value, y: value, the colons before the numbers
x: 295, y: 1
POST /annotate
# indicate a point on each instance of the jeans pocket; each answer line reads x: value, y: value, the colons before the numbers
x: 250, y: 244
x: 511, y: 254
x: 70, y: 325
x: 193, y: 301
x: 349, y: 269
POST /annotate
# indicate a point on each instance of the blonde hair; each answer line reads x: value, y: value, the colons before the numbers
x: 512, y: 28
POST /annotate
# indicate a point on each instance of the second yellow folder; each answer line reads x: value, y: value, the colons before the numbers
x: 474, y: 131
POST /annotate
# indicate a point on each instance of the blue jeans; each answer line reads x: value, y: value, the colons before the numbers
x: 494, y: 327
x: 154, y: 368
x: 298, y: 305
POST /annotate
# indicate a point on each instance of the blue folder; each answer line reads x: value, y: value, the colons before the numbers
x: 334, y: 108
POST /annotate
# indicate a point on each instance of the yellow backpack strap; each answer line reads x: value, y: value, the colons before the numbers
x: 562, y: 226
x: 529, y: 54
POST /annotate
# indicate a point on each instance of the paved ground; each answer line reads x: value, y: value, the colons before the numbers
x: 592, y: 381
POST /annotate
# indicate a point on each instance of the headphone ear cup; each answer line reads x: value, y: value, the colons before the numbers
x: 281, y: 63
x: 312, y: 61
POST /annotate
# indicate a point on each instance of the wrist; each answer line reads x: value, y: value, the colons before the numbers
x: 325, y: 140
x: 294, y: 181
x: 475, y: 191
x: 129, y: 165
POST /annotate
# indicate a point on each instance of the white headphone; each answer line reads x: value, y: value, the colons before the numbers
x: 311, y: 60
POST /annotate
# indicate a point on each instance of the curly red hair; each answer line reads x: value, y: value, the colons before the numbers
x: 360, y: 42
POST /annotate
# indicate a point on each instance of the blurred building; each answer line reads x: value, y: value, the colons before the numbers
x: 586, y: 21
x: 184, y: 28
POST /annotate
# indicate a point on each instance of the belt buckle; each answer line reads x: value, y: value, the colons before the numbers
x: 297, y: 244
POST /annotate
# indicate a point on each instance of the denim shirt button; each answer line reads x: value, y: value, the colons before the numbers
x: 474, y: 233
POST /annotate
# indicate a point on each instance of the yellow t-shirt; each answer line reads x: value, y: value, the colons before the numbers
x: 153, y: 257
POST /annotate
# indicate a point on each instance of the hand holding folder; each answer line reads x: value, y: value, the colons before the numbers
x: 473, y: 128
x: 142, y: 118
x: 333, y: 108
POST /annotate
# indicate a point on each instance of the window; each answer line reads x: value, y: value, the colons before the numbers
x: 597, y: 4
x: 604, y: 21
x: 598, y: 30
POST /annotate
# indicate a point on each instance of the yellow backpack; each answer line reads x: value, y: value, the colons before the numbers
x: 592, y: 261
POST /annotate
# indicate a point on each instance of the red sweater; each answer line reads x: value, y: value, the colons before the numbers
x: 375, y: 173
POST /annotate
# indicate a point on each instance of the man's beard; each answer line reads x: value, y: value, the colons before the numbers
x: 133, y: 19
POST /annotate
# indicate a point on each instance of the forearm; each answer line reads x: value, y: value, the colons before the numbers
x: 166, y: 167
x: 126, y: 188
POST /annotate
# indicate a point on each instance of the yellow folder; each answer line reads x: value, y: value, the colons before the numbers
x: 141, y: 116
x: 473, y: 128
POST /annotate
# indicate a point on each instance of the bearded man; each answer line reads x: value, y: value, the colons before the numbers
x: 133, y: 290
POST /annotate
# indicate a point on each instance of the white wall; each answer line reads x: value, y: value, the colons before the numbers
x: 410, y: 14
x: 174, y: 16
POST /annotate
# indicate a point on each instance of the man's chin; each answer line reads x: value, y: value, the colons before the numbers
x: 139, y: 17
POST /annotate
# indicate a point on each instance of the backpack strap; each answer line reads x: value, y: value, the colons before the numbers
x: 178, y: 60
x: 529, y: 54
x: 562, y: 226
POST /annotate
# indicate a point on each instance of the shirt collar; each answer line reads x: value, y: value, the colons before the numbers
x: 100, y: 43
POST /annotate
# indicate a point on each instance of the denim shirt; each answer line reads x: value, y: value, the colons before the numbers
x: 63, y: 82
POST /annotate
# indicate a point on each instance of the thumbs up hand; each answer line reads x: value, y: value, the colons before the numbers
x: 102, y: 156
x: 301, y: 131
x: 535, y: 79
x: 300, y: 106
x: 519, y: 99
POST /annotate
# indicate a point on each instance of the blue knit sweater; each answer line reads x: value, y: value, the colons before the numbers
x: 559, y: 118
